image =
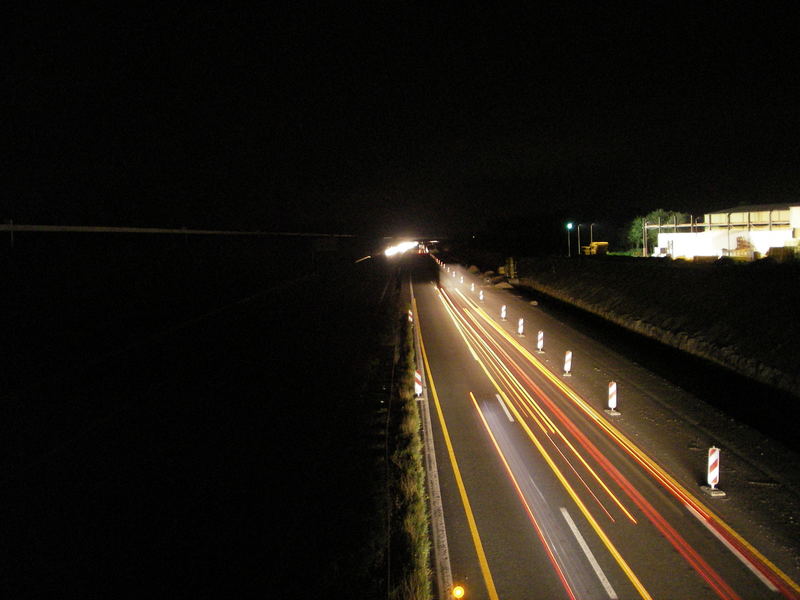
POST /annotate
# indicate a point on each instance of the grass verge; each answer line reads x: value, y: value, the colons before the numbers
x: 410, y: 533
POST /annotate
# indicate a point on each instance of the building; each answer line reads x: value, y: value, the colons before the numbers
x: 744, y: 232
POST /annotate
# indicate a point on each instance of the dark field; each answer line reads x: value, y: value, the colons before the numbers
x: 190, y: 417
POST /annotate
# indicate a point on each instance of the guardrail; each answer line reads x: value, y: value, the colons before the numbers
x: 13, y: 228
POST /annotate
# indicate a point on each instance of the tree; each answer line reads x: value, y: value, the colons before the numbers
x: 666, y: 218
x: 634, y: 236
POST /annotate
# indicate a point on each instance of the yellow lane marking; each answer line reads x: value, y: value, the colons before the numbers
x: 645, y: 460
x: 548, y: 546
x: 526, y: 401
x: 578, y: 502
x: 476, y: 538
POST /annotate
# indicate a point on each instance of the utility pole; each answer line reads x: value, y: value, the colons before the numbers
x: 644, y: 238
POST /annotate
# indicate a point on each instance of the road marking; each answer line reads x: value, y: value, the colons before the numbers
x: 505, y: 410
x: 550, y: 549
x: 476, y: 538
x: 587, y: 551
x: 653, y: 468
x: 733, y: 549
x: 554, y: 468
x: 538, y: 491
x: 441, y: 551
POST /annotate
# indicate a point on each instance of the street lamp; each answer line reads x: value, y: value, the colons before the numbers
x: 591, y: 239
x: 579, y: 239
x: 569, y: 244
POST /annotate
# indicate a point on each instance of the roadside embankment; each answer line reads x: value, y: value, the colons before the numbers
x: 743, y: 317
x: 410, y: 574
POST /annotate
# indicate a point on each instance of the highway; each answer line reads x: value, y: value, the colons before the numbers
x: 544, y: 495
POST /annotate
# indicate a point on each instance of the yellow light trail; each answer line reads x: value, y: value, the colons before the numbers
x: 465, y: 333
x: 527, y: 400
x: 637, y: 584
x: 645, y: 461
x: 524, y: 398
x: 519, y: 394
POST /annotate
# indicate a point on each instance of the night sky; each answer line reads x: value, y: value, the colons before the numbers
x: 396, y: 117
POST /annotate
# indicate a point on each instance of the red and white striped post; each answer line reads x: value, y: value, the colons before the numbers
x: 540, y: 342
x: 418, y: 383
x: 503, y: 312
x: 713, y: 467
x: 712, y: 476
x: 612, y: 399
x: 568, y: 363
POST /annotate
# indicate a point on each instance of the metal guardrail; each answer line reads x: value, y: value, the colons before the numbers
x: 14, y: 228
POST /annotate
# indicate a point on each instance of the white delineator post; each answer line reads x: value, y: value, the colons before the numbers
x: 480, y: 295
x: 712, y: 477
x: 540, y: 342
x: 503, y: 312
x: 471, y: 287
x: 461, y: 279
x: 418, y: 383
x: 612, y: 399
x: 410, y: 316
x: 568, y: 363
x: 521, y: 327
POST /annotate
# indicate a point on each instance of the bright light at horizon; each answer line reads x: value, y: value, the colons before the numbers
x: 400, y: 248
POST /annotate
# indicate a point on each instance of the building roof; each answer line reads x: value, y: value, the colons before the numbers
x: 754, y: 208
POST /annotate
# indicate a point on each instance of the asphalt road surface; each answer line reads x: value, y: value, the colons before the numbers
x: 547, y: 495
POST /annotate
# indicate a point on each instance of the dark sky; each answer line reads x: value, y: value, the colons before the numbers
x: 392, y: 117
